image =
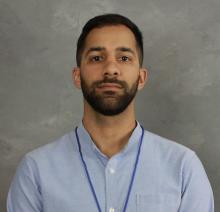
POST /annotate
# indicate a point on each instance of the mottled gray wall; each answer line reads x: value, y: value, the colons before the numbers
x: 39, y: 103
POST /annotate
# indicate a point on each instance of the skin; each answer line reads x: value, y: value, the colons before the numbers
x: 115, y: 57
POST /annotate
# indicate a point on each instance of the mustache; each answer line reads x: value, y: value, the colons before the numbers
x: 122, y: 84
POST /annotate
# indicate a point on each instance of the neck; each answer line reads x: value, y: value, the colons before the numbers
x: 110, y: 133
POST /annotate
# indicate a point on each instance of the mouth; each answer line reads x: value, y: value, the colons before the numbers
x: 110, y: 86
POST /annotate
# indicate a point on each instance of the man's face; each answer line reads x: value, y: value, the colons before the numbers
x: 110, y: 70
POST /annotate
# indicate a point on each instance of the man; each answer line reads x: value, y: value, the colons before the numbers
x: 109, y: 162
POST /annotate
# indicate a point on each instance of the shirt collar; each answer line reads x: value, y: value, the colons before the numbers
x: 88, y: 145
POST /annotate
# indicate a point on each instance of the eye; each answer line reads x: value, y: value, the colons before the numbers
x: 124, y: 58
x: 96, y: 58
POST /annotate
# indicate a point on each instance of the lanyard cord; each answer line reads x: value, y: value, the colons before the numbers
x: 89, y: 178
x: 87, y: 172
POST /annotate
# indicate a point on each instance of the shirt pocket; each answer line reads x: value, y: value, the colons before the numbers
x: 156, y: 203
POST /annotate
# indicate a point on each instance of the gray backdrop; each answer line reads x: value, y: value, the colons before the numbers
x: 38, y: 102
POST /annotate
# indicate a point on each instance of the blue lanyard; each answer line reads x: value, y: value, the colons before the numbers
x: 89, y: 178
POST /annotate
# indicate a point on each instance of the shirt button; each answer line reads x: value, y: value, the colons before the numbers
x: 112, y: 171
x: 111, y: 210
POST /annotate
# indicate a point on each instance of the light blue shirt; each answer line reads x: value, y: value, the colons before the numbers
x: 169, y: 177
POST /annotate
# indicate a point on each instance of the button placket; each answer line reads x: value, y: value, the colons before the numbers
x: 110, y: 172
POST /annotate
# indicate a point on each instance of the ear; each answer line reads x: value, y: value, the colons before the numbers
x: 143, y: 77
x: 76, y: 77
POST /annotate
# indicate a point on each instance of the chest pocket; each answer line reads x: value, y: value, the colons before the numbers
x: 156, y: 203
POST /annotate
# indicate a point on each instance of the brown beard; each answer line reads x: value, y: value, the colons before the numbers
x: 109, y: 103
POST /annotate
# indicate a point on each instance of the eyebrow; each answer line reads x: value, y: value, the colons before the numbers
x: 100, y: 48
x: 125, y: 49
x: 94, y: 49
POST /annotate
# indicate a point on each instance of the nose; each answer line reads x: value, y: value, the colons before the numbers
x: 111, y: 68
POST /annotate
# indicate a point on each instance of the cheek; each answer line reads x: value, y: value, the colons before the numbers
x: 132, y: 77
x: 87, y: 78
x: 92, y: 74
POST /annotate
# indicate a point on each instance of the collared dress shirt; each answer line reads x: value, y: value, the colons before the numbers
x: 169, y: 177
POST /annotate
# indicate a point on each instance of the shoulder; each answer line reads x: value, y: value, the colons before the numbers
x: 164, y: 144
x: 57, y: 149
x: 166, y: 151
x: 174, y: 159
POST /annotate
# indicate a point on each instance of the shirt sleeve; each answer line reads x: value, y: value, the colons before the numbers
x: 197, y: 195
x: 24, y: 194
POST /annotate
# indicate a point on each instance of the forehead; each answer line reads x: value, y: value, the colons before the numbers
x: 111, y: 37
